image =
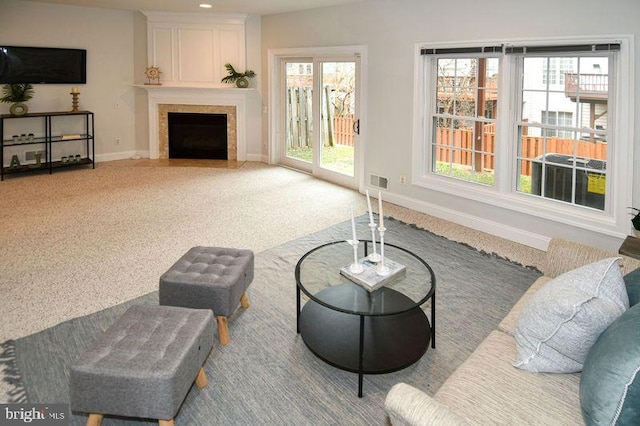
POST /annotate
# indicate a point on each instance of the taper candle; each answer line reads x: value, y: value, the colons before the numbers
x: 380, y: 209
x: 369, y: 205
x: 74, y: 90
x: 353, y: 226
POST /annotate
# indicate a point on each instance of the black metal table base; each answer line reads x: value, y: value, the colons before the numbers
x: 365, y: 344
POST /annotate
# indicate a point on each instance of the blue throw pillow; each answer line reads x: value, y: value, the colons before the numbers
x: 610, y: 382
x: 632, y: 281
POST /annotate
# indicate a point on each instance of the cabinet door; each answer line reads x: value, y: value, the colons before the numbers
x: 196, y: 52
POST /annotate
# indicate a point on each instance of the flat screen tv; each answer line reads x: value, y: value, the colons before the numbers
x: 42, y: 65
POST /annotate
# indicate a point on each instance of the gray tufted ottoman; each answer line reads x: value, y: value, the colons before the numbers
x: 213, y: 278
x: 143, y: 365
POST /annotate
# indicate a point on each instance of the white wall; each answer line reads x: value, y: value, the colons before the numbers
x: 107, y: 36
x: 390, y: 29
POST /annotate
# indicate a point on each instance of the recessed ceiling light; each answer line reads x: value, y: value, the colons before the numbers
x: 205, y: 5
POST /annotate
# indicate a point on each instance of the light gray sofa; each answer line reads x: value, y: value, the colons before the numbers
x: 486, y: 388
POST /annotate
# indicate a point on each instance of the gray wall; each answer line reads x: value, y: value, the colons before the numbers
x: 390, y: 30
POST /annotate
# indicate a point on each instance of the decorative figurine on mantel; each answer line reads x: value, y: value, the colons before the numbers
x: 153, y: 75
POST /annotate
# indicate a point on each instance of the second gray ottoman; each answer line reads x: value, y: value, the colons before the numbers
x: 213, y: 278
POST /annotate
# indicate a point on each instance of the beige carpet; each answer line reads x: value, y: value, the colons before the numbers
x: 82, y: 240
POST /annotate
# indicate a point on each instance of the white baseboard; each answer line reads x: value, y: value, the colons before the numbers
x: 480, y: 224
x: 115, y: 156
x: 257, y: 157
x: 145, y: 154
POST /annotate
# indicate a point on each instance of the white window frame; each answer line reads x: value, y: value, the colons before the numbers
x: 472, y: 118
x: 613, y: 221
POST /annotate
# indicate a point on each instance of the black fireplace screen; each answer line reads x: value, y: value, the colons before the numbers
x: 200, y: 136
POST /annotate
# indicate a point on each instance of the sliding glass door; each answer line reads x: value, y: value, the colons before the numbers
x: 320, y: 117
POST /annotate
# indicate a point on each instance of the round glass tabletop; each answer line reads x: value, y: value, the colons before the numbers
x: 319, y: 277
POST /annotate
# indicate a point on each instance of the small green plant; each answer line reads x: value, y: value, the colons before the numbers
x: 236, y: 77
x: 16, y: 93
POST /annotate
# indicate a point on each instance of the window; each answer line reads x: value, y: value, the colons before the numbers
x: 559, y: 118
x: 560, y: 158
x: 554, y: 70
x: 541, y: 129
x: 463, y: 142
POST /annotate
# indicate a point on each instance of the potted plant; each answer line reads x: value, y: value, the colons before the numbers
x: 16, y: 95
x: 239, y: 78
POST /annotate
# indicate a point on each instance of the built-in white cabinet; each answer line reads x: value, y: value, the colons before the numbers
x: 192, y: 49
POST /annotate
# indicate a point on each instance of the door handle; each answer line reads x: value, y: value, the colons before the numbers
x: 356, y: 127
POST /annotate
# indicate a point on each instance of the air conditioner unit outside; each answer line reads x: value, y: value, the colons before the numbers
x: 590, y: 179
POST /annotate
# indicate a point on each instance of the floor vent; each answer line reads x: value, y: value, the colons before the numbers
x: 379, y: 181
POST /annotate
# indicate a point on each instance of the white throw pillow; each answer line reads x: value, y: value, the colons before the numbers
x: 561, y: 321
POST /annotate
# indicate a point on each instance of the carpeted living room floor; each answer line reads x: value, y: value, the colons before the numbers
x: 82, y: 240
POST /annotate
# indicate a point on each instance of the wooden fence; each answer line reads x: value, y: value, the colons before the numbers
x: 299, y: 119
x: 343, y: 130
x: 335, y: 129
x: 460, y: 147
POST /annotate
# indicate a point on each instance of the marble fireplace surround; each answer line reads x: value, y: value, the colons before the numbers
x: 165, y: 99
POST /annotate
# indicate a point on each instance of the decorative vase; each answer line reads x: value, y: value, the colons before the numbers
x: 242, y: 83
x: 18, y: 109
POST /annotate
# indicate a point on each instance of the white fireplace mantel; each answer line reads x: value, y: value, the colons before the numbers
x: 197, y: 95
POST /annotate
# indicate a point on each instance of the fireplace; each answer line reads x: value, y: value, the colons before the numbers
x: 198, y: 136
x: 201, y: 100
x: 228, y: 111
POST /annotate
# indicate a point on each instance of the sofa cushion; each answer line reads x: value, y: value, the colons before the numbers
x: 508, y: 323
x: 563, y: 319
x: 610, y: 384
x: 564, y: 256
x: 632, y: 281
x: 486, y: 389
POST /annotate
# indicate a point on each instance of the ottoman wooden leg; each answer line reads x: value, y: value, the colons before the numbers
x: 94, y: 419
x: 165, y: 422
x: 201, y: 379
x: 244, y: 301
x: 223, y: 330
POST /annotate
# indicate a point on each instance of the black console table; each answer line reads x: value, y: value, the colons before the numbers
x: 45, y: 142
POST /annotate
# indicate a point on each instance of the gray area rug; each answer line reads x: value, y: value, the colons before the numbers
x: 266, y: 375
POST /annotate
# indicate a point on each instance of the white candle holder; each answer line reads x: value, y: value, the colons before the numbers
x: 356, y: 267
x: 373, y: 257
x: 381, y: 268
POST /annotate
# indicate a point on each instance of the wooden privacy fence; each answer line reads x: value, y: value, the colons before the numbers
x: 533, y: 147
x: 460, y: 147
x: 335, y: 129
x: 299, y: 117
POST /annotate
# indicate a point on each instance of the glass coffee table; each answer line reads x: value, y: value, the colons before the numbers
x: 359, y: 331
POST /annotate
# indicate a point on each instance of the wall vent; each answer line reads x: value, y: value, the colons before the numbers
x: 379, y: 181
